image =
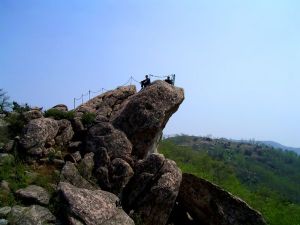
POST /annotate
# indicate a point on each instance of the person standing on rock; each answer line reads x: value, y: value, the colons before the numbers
x: 168, y: 80
x: 146, y: 82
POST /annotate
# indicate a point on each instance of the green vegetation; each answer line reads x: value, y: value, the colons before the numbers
x: 267, y: 179
x: 58, y: 114
x: 19, y: 175
x: 16, y: 122
x: 5, y: 104
x: 88, y: 118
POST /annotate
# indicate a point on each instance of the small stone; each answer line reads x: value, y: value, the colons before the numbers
x: 4, y: 185
x: 6, y: 159
x: 75, y: 144
x: 9, y: 146
x: 4, y: 211
x: 58, y: 162
x: 3, y: 222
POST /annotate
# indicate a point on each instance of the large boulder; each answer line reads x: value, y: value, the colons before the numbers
x: 151, y: 192
x: 33, y: 215
x: 104, y: 135
x: 108, y: 103
x: 145, y: 115
x: 34, y: 194
x: 208, y: 204
x: 39, y: 132
x: 91, y: 207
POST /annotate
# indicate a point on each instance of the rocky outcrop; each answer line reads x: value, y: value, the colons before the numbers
x: 145, y: 114
x: 91, y: 207
x: 33, y: 215
x: 152, y: 191
x: 208, y: 204
x: 38, y: 133
x: 108, y: 103
x: 116, y: 152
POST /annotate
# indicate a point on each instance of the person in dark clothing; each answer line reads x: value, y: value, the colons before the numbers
x: 168, y: 80
x: 146, y: 82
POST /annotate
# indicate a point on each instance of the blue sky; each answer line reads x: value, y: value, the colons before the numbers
x: 238, y: 61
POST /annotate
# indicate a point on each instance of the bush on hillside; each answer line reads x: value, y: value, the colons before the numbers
x: 88, y: 118
x: 58, y: 114
x: 16, y: 122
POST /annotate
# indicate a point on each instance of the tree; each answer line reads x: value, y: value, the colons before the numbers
x: 4, y: 101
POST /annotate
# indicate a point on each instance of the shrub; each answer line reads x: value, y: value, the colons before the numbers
x: 58, y: 114
x: 88, y: 118
x: 16, y: 122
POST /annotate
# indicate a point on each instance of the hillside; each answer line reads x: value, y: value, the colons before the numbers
x: 267, y: 178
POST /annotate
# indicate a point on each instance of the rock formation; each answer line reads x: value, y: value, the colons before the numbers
x: 109, y: 170
x: 145, y: 114
x: 108, y: 103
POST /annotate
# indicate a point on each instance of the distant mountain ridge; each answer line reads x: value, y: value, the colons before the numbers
x: 273, y: 144
x: 278, y: 145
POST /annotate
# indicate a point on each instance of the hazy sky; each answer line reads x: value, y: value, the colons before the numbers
x: 238, y: 61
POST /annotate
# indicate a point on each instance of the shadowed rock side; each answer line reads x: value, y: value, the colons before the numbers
x: 201, y: 202
x: 145, y: 115
x: 108, y: 103
x: 151, y: 193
